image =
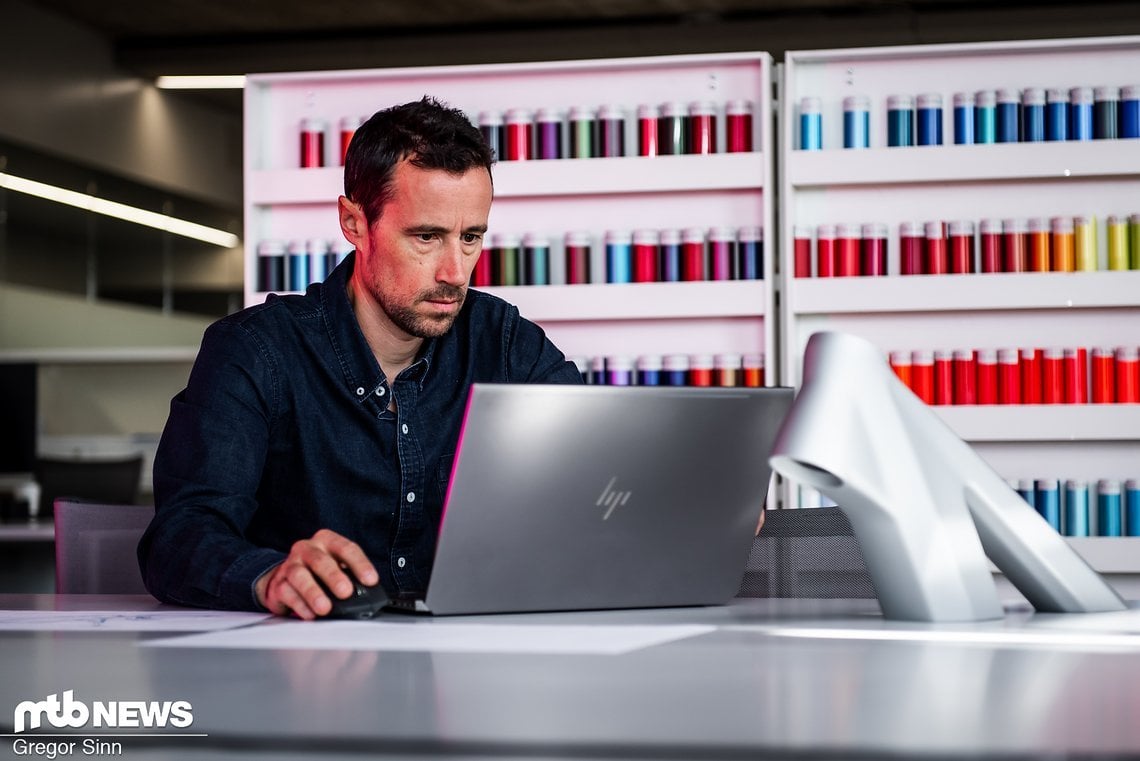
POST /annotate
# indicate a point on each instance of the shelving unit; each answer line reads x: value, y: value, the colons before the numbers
x: 970, y: 182
x: 553, y: 197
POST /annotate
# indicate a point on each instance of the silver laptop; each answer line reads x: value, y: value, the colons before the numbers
x: 590, y: 497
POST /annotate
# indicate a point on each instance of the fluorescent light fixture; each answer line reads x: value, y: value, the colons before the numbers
x: 120, y: 211
x: 219, y: 82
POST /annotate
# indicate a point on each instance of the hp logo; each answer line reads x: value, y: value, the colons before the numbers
x: 612, y: 499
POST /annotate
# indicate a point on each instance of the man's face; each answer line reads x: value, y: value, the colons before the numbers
x: 416, y: 259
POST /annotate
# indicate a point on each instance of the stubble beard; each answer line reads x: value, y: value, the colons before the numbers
x: 407, y: 319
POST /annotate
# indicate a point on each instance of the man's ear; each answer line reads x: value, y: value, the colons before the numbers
x: 353, y: 224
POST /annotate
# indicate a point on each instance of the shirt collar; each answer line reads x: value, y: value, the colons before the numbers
x: 362, y: 373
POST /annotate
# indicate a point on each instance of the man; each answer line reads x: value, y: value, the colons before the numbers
x: 316, y: 432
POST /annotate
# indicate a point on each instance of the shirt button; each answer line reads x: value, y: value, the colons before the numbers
x: 380, y: 391
x: 360, y: 391
x: 411, y: 496
x: 400, y: 562
x: 405, y: 428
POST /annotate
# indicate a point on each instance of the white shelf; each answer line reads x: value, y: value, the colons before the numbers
x: 531, y: 179
x: 966, y: 293
x: 632, y: 301
x: 964, y: 163
x: 637, y: 301
x: 1108, y: 554
x: 1043, y: 422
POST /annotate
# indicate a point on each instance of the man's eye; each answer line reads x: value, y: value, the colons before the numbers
x: 471, y: 237
x: 426, y: 237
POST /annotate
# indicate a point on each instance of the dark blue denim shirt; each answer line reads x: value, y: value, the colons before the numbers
x: 284, y: 429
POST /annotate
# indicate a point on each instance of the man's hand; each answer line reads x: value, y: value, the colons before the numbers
x: 291, y: 587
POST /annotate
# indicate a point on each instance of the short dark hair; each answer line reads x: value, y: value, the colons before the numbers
x: 429, y: 134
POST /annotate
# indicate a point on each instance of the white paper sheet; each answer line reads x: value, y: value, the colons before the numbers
x: 123, y: 620
x: 441, y: 636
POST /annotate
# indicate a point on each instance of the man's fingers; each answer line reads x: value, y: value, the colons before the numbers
x: 348, y: 554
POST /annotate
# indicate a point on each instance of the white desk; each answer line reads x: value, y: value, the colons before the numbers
x: 753, y: 688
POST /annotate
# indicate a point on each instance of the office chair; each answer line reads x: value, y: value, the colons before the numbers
x: 95, y: 547
x: 113, y: 481
x: 809, y: 552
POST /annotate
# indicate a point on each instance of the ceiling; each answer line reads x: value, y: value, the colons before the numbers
x: 228, y: 37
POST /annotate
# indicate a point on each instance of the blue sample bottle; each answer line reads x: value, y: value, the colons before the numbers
x: 963, y: 118
x: 1081, y: 113
x: 1132, y: 507
x: 1056, y: 115
x: 670, y: 247
x: 535, y: 259
x: 985, y: 116
x: 811, y: 124
x: 900, y: 121
x: 298, y: 267
x: 750, y: 253
x: 619, y: 256
x: 1047, y: 500
x: 1076, y: 508
x: 1109, y: 508
x: 649, y: 370
x: 1033, y: 115
x: 1024, y: 487
x: 675, y: 370
x: 929, y: 121
x: 1130, y: 111
x: 1008, y: 105
x: 857, y: 121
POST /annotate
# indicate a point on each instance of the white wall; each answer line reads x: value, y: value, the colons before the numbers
x: 61, y: 93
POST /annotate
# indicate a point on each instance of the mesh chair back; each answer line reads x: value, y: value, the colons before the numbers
x: 96, y: 547
x: 809, y: 552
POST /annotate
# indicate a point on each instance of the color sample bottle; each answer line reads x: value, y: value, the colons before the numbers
x: 750, y: 253
x: 1116, y: 229
x: 672, y: 130
x: 548, y: 134
x: 313, y: 143
x: 647, y: 130
x: 738, y: 126
x: 1064, y: 244
x: 1008, y: 124
x: 645, y: 256
x: 961, y: 247
x: 1056, y: 115
x: 1084, y: 240
x: 911, y: 247
x: 702, y: 127
x: 1081, y: 113
x: 900, y: 121
x: 619, y: 256
x: 1130, y: 111
x: 577, y: 257
x: 535, y: 259
x: 494, y: 133
x: 1076, y: 520
x: 1109, y: 508
x: 583, y: 129
x: 271, y: 266
x: 1106, y: 113
x: 857, y: 121
x: 929, y: 119
x: 963, y: 118
x: 611, y: 131
x: 1039, y: 252
x: 811, y: 124
x: 985, y: 116
x: 1033, y: 115
x: 1047, y: 496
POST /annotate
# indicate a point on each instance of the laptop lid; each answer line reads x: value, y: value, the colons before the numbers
x: 589, y: 497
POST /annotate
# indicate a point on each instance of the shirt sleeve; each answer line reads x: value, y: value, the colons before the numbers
x: 206, y: 474
x: 531, y: 357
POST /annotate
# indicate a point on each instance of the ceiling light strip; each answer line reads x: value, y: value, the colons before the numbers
x: 219, y: 82
x: 120, y: 211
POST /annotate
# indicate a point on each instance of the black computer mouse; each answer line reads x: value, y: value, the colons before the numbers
x: 364, y: 602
